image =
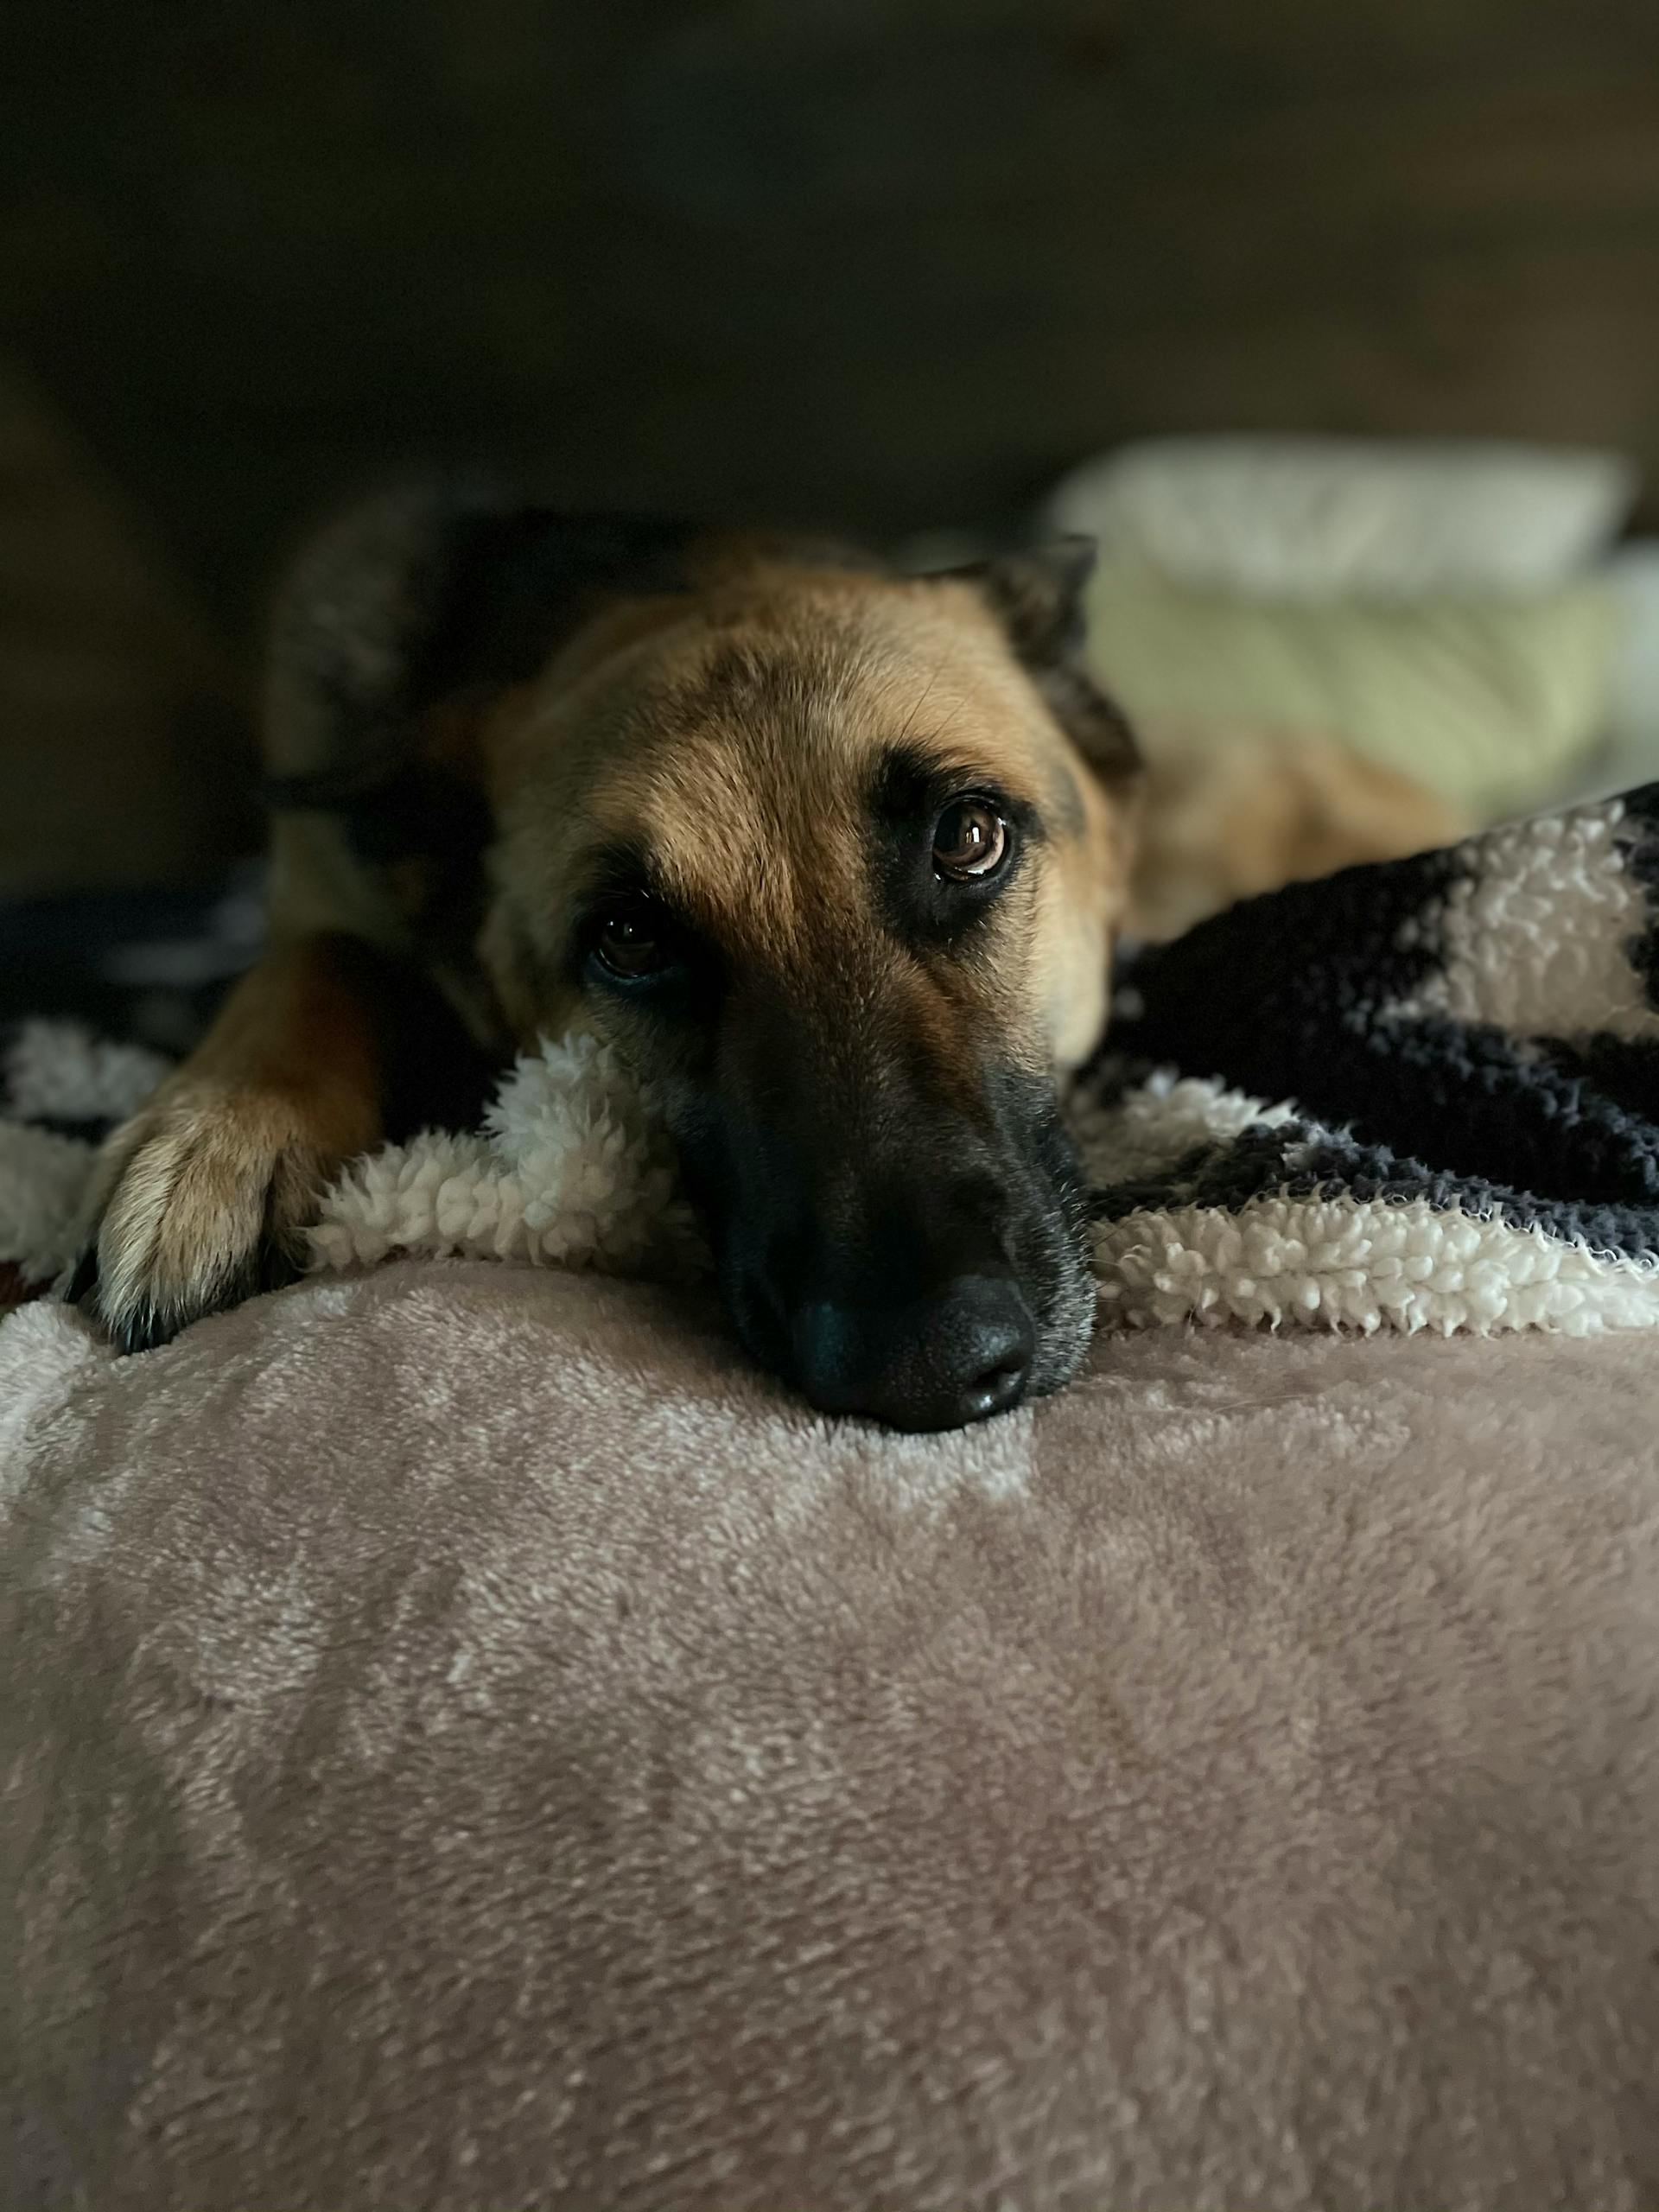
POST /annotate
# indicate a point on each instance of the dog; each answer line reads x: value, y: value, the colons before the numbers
x: 834, y: 855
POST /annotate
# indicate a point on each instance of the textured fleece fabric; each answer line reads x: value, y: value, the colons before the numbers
x: 470, y: 1744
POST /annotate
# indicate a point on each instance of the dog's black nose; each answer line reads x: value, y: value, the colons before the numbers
x: 937, y: 1362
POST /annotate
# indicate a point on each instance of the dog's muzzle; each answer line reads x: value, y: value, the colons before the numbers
x: 937, y: 1360
x: 891, y: 1250
x: 926, y: 1303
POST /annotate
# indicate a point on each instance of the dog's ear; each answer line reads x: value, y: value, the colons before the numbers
x: 1037, y: 595
x: 427, y: 592
x: 397, y: 628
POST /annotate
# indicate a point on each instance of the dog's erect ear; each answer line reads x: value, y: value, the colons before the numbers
x: 1037, y: 594
x: 427, y: 592
x: 397, y: 628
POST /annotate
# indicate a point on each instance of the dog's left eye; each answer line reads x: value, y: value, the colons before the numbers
x: 631, y: 942
x: 970, y: 841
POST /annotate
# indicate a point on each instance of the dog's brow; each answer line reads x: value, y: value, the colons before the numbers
x: 909, y: 778
x: 925, y: 694
x: 615, y: 870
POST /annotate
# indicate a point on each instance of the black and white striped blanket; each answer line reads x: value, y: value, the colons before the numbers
x: 1418, y: 1095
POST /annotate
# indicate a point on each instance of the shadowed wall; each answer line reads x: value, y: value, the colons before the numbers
x: 884, y: 264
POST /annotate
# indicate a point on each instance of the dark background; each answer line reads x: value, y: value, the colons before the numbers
x: 881, y: 263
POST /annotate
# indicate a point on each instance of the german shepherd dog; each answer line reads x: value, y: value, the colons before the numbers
x: 832, y: 853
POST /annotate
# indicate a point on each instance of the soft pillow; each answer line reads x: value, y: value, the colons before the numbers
x: 1633, y: 703
x: 1324, y: 519
x: 1488, y: 702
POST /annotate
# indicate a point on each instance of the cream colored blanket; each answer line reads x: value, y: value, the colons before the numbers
x: 468, y: 1742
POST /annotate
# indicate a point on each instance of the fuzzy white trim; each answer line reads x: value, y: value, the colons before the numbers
x: 59, y: 1071
x: 1534, y: 938
x: 1330, y: 1262
x: 573, y: 1169
x: 43, y: 1178
x: 1342, y: 1263
x: 1154, y: 1125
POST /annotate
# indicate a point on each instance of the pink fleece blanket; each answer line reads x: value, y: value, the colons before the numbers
x: 468, y: 1742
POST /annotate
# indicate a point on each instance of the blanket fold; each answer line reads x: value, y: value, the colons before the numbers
x: 1463, y: 1051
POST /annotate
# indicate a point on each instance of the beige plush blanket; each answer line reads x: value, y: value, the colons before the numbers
x: 467, y: 1743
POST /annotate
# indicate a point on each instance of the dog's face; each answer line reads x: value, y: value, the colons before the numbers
x: 814, y: 846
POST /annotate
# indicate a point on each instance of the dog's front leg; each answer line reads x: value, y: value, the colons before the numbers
x: 203, y: 1198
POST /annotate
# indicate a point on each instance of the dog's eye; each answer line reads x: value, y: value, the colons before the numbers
x: 631, y: 940
x: 971, y: 840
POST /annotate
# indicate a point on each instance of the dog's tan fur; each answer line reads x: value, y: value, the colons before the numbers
x: 666, y: 740
x: 239, y: 1143
x: 730, y: 730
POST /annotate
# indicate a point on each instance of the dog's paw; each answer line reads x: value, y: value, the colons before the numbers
x: 203, y: 1199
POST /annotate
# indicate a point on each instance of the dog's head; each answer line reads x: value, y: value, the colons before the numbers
x: 819, y: 847
x: 832, y: 853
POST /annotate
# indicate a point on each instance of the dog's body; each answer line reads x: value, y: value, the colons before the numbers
x: 834, y: 855
x: 1229, y: 811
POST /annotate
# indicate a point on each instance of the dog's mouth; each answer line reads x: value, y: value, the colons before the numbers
x: 926, y: 1295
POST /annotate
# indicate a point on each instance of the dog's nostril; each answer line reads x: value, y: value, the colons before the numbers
x: 938, y: 1362
x: 999, y: 1387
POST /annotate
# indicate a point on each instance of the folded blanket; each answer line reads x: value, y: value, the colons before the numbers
x: 1420, y: 1095
x: 1465, y: 1052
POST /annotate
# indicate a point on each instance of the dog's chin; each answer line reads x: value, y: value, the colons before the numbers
x: 1056, y: 1269
x: 1067, y: 1329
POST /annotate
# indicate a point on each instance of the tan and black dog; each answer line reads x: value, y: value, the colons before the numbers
x: 835, y: 853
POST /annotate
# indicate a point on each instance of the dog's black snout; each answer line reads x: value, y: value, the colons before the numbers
x: 955, y: 1355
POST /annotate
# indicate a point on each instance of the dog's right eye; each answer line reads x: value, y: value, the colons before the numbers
x: 970, y: 841
x: 632, y: 942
